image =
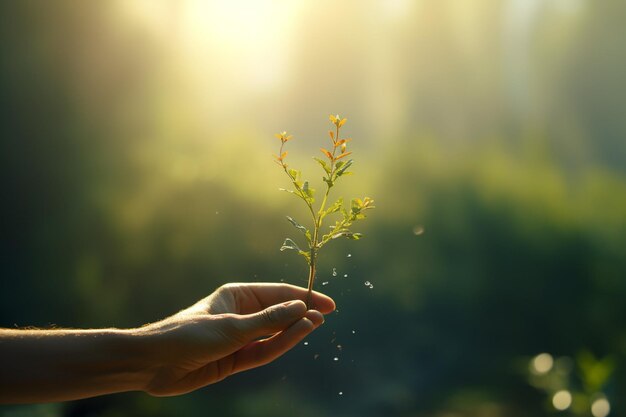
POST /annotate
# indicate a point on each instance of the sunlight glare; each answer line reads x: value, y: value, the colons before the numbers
x: 247, y: 37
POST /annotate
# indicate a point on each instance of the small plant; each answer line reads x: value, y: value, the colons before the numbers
x: 335, y: 166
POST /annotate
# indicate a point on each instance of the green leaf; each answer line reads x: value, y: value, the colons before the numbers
x: 308, y: 192
x: 289, y: 244
x: 342, y: 169
x: 295, y: 174
x: 323, y: 164
x: 335, y: 207
x: 347, y: 234
x: 356, y: 205
x: 306, y: 255
x: 297, y: 225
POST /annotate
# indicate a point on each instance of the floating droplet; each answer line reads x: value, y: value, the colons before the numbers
x: 349, y: 255
x: 353, y: 331
x: 325, y: 283
x: 345, y: 275
x: 339, y: 347
x: 306, y: 343
x: 336, y: 359
x: 418, y: 230
x: 334, y: 272
x: 340, y: 392
x: 369, y: 284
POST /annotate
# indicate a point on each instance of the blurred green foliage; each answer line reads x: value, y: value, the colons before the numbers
x: 499, y: 176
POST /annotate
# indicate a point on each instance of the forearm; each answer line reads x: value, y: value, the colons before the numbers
x: 58, y: 365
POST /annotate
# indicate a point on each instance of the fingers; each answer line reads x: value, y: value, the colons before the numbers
x: 257, y: 296
x: 271, y: 320
x: 261, y: 352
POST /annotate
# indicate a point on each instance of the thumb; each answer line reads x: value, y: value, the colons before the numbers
x: 272, y: 319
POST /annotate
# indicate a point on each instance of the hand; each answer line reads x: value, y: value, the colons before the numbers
x: 238, y: 327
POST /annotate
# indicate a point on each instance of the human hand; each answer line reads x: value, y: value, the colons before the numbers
x: 238, y: 327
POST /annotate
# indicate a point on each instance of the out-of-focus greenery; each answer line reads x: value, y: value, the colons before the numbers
x: 137, y: 177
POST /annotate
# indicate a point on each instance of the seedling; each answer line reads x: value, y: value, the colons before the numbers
x: 335, y: 165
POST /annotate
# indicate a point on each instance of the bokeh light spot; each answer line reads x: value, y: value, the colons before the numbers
x: 562, y: 400
x: 542, y: 363
x: 600, y: 407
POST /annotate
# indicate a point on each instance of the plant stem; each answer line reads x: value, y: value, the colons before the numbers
x: 317, y: 224
x: 311, y: 279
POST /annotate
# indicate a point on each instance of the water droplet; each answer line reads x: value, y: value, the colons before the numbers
x: 369, y: 284
x: 336, y: 359
x: 418, y: 230
x: 334, y: 272
x: 339, y: 347
x: 349, y: 255
x: 340, y: 392
x: 353, y: 331
x: 325, y: 283
x: 306, y: 343
x: 345, y: 275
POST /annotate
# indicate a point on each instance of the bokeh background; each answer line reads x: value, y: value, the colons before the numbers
x: 137, y: 176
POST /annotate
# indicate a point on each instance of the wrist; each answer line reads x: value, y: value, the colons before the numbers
x: 135, y: 349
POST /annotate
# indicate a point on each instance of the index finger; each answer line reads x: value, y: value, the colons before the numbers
x: 253, y: 297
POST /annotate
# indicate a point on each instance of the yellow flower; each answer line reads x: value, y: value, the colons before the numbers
x: 284, y: 137
x: 337, y: 120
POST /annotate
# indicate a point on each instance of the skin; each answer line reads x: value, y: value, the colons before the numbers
x: 238, y: 327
